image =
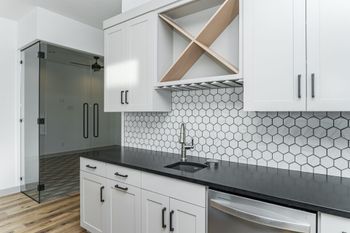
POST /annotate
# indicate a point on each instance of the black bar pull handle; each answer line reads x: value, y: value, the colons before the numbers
x: 85, y: 120
x: 163, y: 218
x: 126, y: 96
x: 91, y: 167
x: 101, y: 194
x: 96, y: 123
x: 171, y: 221
x: 299, y: 86
x: 121, y: 188
x: 122, y: 97
x: 312, y: 85
x: 121, y: 175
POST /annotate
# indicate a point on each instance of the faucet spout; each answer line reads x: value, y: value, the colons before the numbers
x: 182, y: 141
x: 182, y: 138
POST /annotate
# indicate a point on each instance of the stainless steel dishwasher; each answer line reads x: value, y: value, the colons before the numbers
x: 234, y: 214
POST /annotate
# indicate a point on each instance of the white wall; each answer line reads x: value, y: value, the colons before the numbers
x: 44, y: 25
x: 129, y: 4
x: 9, y: 147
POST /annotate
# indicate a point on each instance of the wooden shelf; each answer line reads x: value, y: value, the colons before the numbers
x: 186, y: 60
x: 201, y: 44
x: 219, y: 22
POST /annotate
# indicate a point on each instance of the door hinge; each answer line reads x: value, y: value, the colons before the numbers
x: 41, y: 187
x: 41, y: 55
x: 41, y: 121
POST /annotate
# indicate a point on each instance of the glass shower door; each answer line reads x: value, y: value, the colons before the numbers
x: 30, y: 179
x: 64, y: 103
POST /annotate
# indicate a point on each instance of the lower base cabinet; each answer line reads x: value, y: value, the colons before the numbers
x: 333, y: 224
x: 186, y: 217
x: 124, y: 208
x: 109, y: 205
x: 155, y: 212
x: 161, y: 214
x: 92, y: 203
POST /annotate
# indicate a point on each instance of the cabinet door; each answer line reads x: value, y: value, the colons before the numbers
x: 274, y: 65
x: 116, y: 81
x: 334, y: 224
x: 93, y: 202
x: 328, y: 37
x: 124, y: 209
x: 155, y: 212
x: 186, y: 218
x: 141, y: 35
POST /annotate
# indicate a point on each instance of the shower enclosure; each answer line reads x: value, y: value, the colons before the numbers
x: 62, y: 116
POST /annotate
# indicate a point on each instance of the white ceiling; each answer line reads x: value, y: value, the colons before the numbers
x: 91, y: 12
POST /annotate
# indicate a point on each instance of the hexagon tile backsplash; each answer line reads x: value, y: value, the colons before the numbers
x: 312, y: 142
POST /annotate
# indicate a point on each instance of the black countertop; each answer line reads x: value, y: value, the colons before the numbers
x: 305, y: 191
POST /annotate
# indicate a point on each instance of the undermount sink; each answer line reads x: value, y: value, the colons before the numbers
x: 187, y: 166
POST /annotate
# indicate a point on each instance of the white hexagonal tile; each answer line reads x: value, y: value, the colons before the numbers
x: 301, y: 159
x: 314, y: 161
x: 334, y: 153
x: 341, y: 163
x: 277, y: 157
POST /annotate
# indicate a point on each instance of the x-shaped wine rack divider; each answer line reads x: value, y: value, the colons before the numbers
x: 201, y: 44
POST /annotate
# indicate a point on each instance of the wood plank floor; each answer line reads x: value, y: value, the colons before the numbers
x: 19, y: 214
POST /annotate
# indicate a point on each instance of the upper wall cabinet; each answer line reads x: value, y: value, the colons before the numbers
x: 328, y: 52
x: 130, y: 67
x: 274, y: 55
x: 295, y: 55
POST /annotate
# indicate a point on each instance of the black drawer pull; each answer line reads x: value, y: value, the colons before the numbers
x: 163, y: 216
x: 91, y: 167
x: 171, y: 221
x: 101, y: 194
x: 121, y: 188
x: 121, y: 175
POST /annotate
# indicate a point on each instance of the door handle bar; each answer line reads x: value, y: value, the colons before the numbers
x: 258, y: 215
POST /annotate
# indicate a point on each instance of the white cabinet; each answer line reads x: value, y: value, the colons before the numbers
x: 155, y: 212
x: 274, y: 55
x: 118, y: 199
x: 115, y: 53
x: 185, y: 217
x: 183, y: 203
x: 124, y: 208
x: 295, y: 55
x: 333, y: 224
x: 328, y: 54
x: 162, y: 214
x: 130, y: 63
x: 92, y: 202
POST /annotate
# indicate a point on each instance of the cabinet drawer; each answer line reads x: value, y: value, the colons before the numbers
x: 333, y: 224
x: 123, y: 174
x: 177, y: 189
x: 92, y: 166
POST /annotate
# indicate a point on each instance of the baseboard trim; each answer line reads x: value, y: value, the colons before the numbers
x: 9, y: 191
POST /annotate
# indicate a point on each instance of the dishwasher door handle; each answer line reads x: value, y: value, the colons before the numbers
x: 258, y: 216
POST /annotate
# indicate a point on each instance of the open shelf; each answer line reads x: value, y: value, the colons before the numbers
x: 224, y: 14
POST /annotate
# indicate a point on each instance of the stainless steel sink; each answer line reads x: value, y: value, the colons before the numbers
x: 187, y: 166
